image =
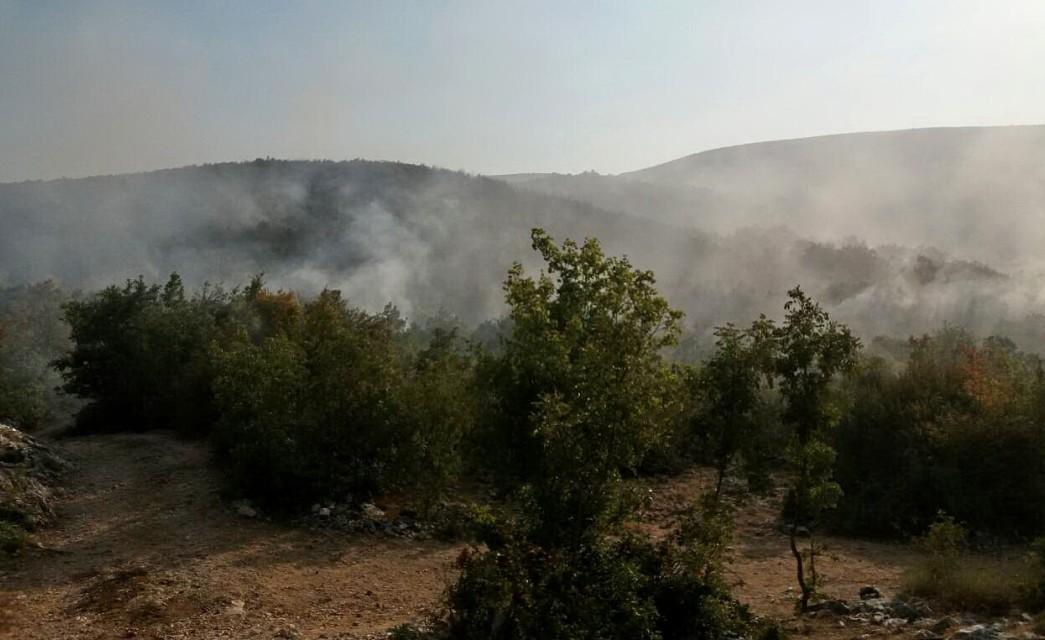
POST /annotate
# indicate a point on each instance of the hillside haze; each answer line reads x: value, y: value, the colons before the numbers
x: 420, y: 237
x: 977, y: 191
x: 896, y: 232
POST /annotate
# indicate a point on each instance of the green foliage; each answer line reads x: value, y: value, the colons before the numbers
x: 630, y: 588
x: 703, y: 536
x: 811, y: 350
x: 13, y: 538
x: 308, y: 408
x: 301, y: 400
x: 957, y: 429
x: 435, y: 416
x: 943, y: 545
x: 951, y: 577
x: 729, y: 420
x: 139, y: 357
x: 580, y: 392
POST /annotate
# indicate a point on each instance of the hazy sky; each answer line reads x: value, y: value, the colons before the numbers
x: 490, y: 86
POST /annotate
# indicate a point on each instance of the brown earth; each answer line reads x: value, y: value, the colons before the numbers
x: 761, y: 568
x: 145, y: 548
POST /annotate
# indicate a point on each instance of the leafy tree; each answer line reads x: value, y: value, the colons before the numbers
x: 580, y: 392
x: 730, y: 388
x: 811, y: 350
x: 307, y: 405
x: 138, y: 357
x: 436, y: 415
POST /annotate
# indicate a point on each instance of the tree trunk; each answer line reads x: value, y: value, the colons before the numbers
x: 812, y: 561
x: 806, y: 590
x: 718, y: 483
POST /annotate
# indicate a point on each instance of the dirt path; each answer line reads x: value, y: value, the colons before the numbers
x: 144, y: 548
x: 761, y: 568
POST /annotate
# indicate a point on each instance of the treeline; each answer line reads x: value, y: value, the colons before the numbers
x: 556, y: 407
x: 959, y: 428
x: 303, y: 399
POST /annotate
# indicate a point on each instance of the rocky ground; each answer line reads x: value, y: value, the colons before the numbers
x: 28, y: 472
x: 144, y: 546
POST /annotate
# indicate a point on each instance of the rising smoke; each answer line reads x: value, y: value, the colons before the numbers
x: 896, y: 233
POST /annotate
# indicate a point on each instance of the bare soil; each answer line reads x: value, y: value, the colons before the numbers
x: 145, y: 548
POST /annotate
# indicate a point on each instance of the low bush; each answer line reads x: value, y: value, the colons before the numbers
x: 13, y: 538
x: 302, y: 400
x: 952, y: 577
x: 989, y: 587
x: 625, y: 589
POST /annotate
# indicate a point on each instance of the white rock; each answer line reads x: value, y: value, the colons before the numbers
x: 236, y: 608
x: 371, y: 511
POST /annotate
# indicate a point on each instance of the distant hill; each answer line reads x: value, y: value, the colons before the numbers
x: 424, y: 238
x: 976, y: 191
x: 896, y: 233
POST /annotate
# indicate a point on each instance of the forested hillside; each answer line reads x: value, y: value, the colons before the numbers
x: 427, y: 239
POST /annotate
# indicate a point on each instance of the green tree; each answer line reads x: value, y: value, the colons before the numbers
x: 957, y: 428
x: 811, y: 350
x: 578, y: 394
x: 435, y: 416
x: 729, y: 389
x: 139, y: 357
x: 581, y: 391
x: 307, y: 406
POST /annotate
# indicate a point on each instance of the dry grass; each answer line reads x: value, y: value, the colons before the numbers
x: 982, y: 584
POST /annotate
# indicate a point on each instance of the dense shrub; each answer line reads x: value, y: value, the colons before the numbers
x: 435, y: 416
x: 626, y: 589
x: 307, y: 409
x: 13, y: 538
x: 326, y: 400
x: 139, y: 357
x: 949, y: 576
x: 303, y: 400
x: 959, y: 428
x: 734, y: 417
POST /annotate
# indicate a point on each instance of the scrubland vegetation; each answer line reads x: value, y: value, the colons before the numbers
x: 555, y: 407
